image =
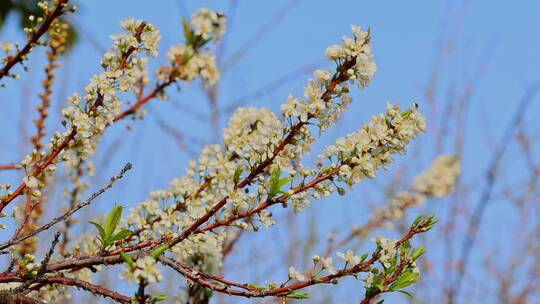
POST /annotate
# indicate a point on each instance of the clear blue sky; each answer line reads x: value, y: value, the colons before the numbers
x: 495, y: 46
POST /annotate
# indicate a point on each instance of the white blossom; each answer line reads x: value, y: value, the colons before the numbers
x: 296, y: 275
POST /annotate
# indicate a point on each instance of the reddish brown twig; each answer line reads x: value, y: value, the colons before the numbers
x: 9, y: 167
x: 94, y: 289
x: 227, y: 287
x: 19, y: 57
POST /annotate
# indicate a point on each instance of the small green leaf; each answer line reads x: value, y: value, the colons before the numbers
x: 274, y: 182
x: 274, y: 177
x: 298, y: 295
x: 121, y: 235
x: 428, y: 223
x: 127, y: 259
x: 405, y: 279
x: 417, y: 220
x: 341, y: 191
x: 188, y: 33
x: 113, y: 219
x: 158, y: 251
x: 158, y: 298
x: 418, y: 252
x: 406, y: 113
x: 326, y: 169
x: 255, y: 286
x: 408, y: 294
x: 363, y: 257
x: 237, y: 174
x: 100, y: 230
x: 203, y: 42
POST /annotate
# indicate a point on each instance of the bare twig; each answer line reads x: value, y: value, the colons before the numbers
x: 9, y: 167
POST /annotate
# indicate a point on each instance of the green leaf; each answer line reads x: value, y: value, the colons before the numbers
x: 298, y: 295
x: 274, y: 177
x: 127, y: 258
x: 363, y: 257
x: 428, y: 223
x: 255, y: 286
x: 121, y: 235
x: 158, y: 251
x: 406, y: 113
x: 326, y: 169
x: 188, y: 33
x: 100, y: 230
x: 203, y: 42
x: 341, y: 191
x: 282, y: 182
x: 418, y: 252
x: 237, y: 174
x: 417, y: 220
x: 408, y: 294
x: 274, y: 182
x: 158, y: 298
x: 113, y: 219
x: 405, y: 279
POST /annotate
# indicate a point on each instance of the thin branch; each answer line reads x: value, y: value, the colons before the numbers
x: 68, y: 213
x: 225, y: 286
x: 94, y: 289
x: 45, y: 262
x: 9, y: 167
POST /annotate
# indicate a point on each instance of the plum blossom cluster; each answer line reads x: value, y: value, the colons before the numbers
x: 361, y: 153
x: 192, y: 63
x: 252, y: 133
x: 189, y: 60
x: 387, y: 251
x: 209, y: 24
x: 90, y: 114
x: 441, y: 177
x: 359, y: 49
x: 143, y: 270
x: 354, y: 63
x: 437, y: 181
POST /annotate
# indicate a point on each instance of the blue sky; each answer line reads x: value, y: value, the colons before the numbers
x: 491, y: 45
